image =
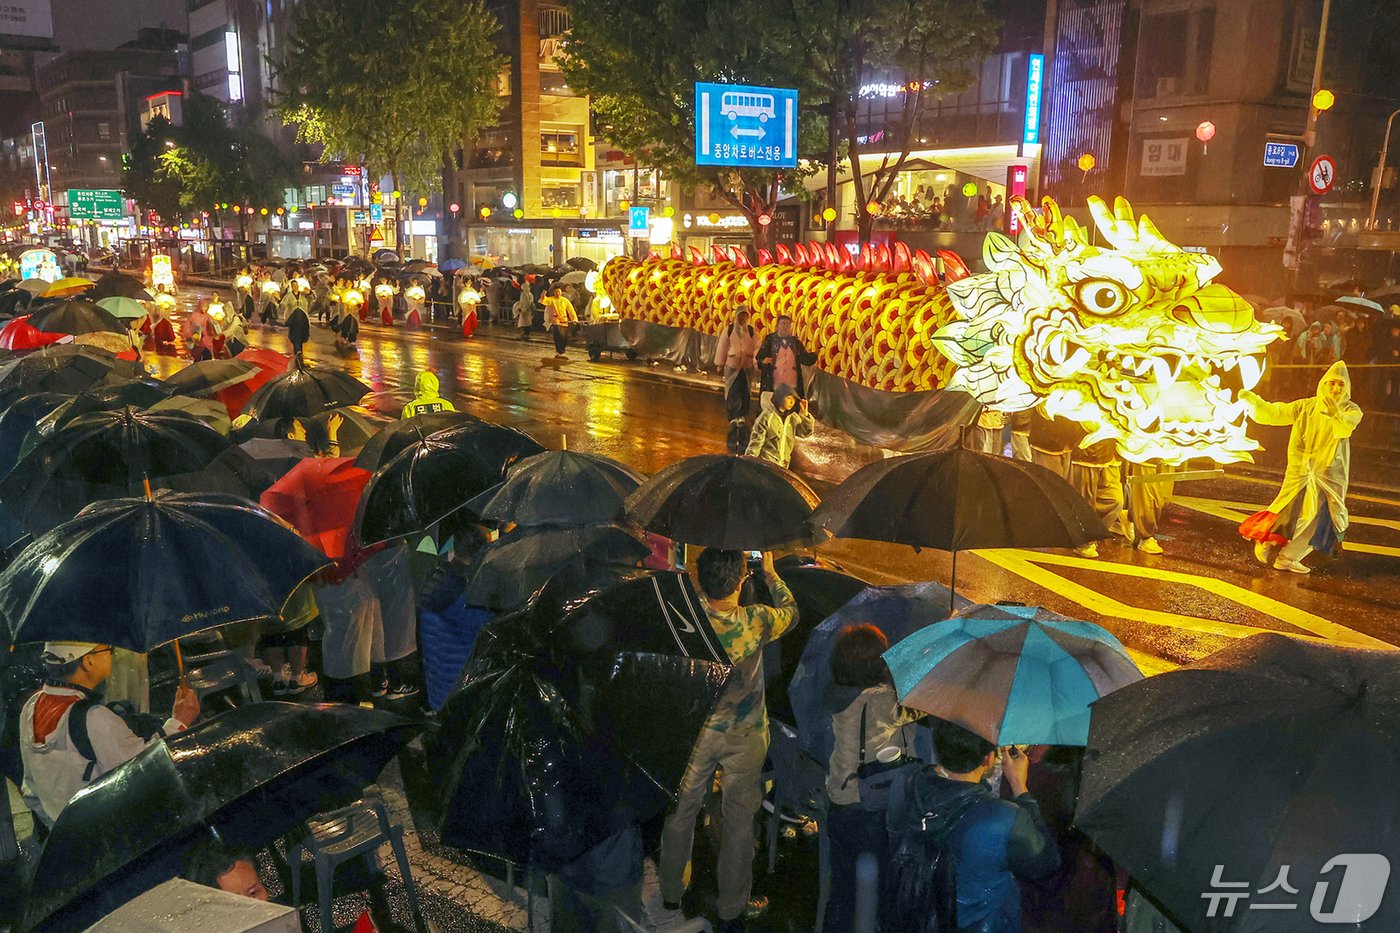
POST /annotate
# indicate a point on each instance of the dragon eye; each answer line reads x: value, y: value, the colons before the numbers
x: 1100, y: 296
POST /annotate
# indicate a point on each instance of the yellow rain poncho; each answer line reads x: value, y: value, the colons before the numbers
x: 1319, y: 455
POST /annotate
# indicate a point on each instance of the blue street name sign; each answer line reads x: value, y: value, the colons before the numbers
x: 343, y: 191
x: 638, y: 221
x: 1035, y: 82
x: 738, y: 125
x: 1280, y: 155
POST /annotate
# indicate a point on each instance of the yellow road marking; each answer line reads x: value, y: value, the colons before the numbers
x: 1359, y: 497
x: 1238, y: 511
x: 1024, y: 564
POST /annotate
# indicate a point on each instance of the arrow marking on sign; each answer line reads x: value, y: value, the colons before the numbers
x: 754, y: 131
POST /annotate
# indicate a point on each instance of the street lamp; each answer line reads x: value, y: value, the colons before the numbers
x: 1380, y: 174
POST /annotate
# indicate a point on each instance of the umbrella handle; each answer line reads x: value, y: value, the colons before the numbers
x: 180, y: 663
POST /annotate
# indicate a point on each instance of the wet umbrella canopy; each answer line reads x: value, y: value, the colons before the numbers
x: 561, y: 487
x: 250, y: 774
x: 435, y: 477
x: 1271, y: 752
x: 76, y: 316
x: 137, y: 573
x: 391, y: 440
x: 302, y: 392
x: 115, y: 284
x: 209, y: 376
x: 68, y: 369
x: 509, y: 571
x: 105, y: 454
x: 542, y: 754
x: 725, y: 501
x: 319, y: 496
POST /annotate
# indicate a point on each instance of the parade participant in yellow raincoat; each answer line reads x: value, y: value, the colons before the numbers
x: 1309, y: 513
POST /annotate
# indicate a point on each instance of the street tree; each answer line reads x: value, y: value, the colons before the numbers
x: 926, y: 49
x: 391, y: 85
x: 639, y: 60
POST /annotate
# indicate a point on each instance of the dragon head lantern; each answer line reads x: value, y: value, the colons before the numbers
x: 1132, y: 339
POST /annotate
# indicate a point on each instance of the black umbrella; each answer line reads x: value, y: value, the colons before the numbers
x: 436, y: 476
x: 1271, y: 752
x: 391, y: 440
x: 67, y: 368
x: 725, y: 501
x: 542, y: 754
x: 117, y: 285
x: 101, y: 397
x: 246, y: 777
x: 276, y: 454
x: 581, y: 263
x: 302, y: 392
x: 76, y: 316
x: 19, y: 419
x: 509, y: 571
x: 138, y: 573
x: 104, y: 455
x: 209, y: 376
x: 560, y: 487
x: 957, y: 499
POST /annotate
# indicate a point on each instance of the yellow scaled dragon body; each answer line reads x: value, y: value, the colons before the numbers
x: 1132, y: 338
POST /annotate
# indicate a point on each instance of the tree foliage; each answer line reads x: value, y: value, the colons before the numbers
x: 180, y: 171
x: 392, y: 85
x: 639, y: 61
x: 931, y: 48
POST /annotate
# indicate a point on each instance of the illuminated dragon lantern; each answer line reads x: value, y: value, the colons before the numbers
x: 1132, y: 339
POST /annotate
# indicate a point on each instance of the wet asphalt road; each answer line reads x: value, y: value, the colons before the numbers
x: 1204, y: 591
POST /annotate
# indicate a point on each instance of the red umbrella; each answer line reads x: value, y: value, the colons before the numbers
x: 270, y: 363
x: 319, y: 497
x: 19, y: 334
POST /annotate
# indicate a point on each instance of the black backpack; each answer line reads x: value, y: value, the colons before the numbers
x: 919, y: 891
x: 145, y: 725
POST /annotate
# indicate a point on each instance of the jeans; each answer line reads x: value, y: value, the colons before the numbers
x: 561, y: 337
x: 852, y: 831
x: 740, y: 752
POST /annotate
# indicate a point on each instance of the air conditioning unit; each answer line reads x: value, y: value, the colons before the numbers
x: 1166, y: 87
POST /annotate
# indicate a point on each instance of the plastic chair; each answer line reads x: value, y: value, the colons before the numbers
x: 356, y: 831
x: 799, y: 784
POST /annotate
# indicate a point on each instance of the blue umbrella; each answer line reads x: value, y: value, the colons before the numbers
x: 452, y: 265
x: 898, y: 611
x: 1015, y: 675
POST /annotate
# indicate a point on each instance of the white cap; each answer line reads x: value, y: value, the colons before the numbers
x: 63, y: 652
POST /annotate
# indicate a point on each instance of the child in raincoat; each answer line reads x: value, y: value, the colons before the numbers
x: 427, y: 397
x: 1309, y: 513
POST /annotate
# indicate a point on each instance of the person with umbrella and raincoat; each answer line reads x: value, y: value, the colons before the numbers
x: 737, y: 355
x: 61, y: 754
x: 1309, y: 513
x: 157, y: 333
x: 199, y: 332
x: 298, y: 327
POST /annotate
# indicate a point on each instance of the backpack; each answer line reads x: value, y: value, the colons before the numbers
x: 144, y: 725
x: 919, y: 890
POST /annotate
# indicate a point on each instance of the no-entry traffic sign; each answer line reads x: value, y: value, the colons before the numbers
x: 1322, y: 174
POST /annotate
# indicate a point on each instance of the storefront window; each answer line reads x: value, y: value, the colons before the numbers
x: 511, y: 246
x: 559, y: 196
x: 560, y: 147
x: 596, y: 243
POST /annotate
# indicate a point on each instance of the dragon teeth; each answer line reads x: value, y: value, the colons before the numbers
x: 1076, y: 360
x: 1250, y: 371
x: 1162, y: 370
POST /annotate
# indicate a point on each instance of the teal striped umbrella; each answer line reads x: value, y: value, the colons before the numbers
x: 1015, y: 675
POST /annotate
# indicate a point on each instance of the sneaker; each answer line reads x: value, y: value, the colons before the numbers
x: 1293, y: 566
x: 1263, y: 553
x: 756, y: 907
x: 280, y: 681
x: 302, y: 682
x: 1149, y: 546
x: 380, y: 689
x: 260, y: 668
x: 666, y: 917
x: 1089, y: 550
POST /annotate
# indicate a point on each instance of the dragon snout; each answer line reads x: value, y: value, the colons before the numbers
x: 1217, y: 309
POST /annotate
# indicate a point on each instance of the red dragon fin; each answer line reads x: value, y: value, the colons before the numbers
x: 739, y: 257
x: 953, y: 266
x: 696, y: 256
x: 676, y: 252
x: 784, y: 255
x: 718, y: 253
x: 800, y: 253
x: 765, y: 257
x: 925, y: 268
x: 902, y: 261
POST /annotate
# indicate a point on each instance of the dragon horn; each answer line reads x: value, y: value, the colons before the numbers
x: 765, y: 257
x: 1110, y: 227
x: 953, y: 266
x: 902, y: 260
x: 1123, y: 211
x: 1151, y: 238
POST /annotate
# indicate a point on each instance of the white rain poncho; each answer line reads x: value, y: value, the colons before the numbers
x: 1319, y: 450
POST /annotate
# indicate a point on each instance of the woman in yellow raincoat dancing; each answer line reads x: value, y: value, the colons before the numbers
x: 1309, y: 513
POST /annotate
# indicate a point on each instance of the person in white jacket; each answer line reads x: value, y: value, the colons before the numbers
x: 736, y: 355
x: 1310, y: 512
x: 55, y: 766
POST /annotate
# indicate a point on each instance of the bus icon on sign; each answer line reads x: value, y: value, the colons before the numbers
x: 735, y: 105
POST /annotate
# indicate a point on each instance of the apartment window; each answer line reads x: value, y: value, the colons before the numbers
x: 1174, y: 53
x: 554, y: 84
x: 559, y: 196
x: 554, y: 23
x: 560, y: 147
x: 104, y: 131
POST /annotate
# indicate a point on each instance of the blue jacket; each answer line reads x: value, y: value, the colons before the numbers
x: 994, y: 843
